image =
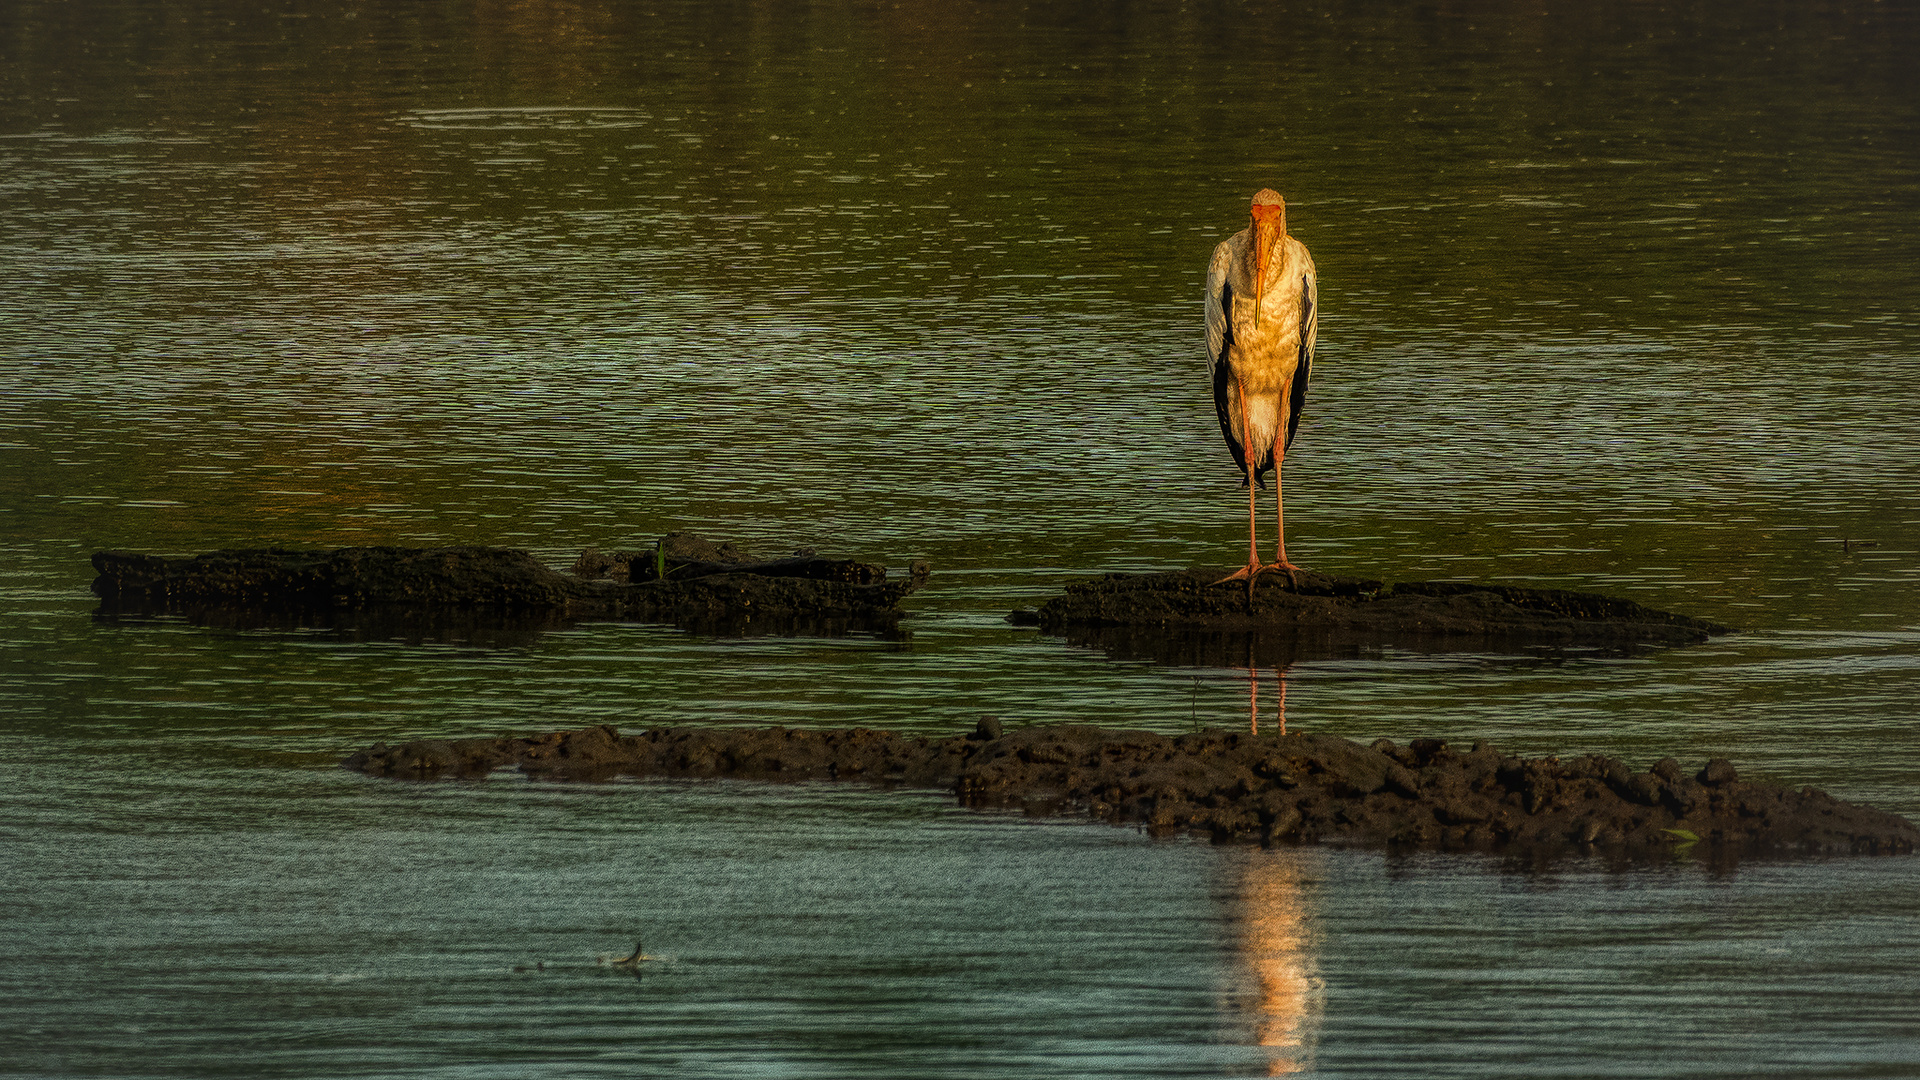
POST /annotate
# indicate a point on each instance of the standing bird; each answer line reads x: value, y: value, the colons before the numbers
x: 1262, y: 316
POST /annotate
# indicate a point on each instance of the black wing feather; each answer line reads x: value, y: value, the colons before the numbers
x: 1223, y: 382
x: 1298, y: 400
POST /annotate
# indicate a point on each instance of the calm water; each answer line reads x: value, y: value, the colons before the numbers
x: 1620, y: 300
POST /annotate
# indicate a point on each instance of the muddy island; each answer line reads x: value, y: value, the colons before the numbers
x: 683, y: 580
x: 1232, y: 786
x: 1169, y: 613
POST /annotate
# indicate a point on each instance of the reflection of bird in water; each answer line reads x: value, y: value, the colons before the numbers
x: 1277, y: 946
x: 1253, y: 698
x: 1261, y: 321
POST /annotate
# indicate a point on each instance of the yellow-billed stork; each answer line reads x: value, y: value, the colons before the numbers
x: 1262, y: 315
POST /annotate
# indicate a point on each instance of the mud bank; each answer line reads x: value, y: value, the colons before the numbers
x: 1272, y: 789
x: 686, y: 581
x: 1358, y: 609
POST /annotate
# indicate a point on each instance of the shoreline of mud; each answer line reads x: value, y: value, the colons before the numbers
x: 1230, y: 786
x: 1116, y: 607
x: 689, y: 581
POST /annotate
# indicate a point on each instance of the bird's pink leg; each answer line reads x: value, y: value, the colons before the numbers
x: 1253, y: 529
x: 1253, y: 567
x: 1279, y: 509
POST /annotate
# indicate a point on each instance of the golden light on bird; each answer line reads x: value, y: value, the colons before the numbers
x: 1262, y: 309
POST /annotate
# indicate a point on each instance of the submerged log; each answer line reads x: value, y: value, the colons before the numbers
x: 1336, y: 609
x: 243, y: 587
x: 1295, y: 789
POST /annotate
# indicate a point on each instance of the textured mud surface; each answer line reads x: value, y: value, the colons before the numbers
x: 1356, y: 609
x: 686, y: 581
x: 1233, y: 786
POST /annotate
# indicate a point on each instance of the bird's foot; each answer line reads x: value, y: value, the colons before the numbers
x: 1246, y: 573
x: 1253, y: 570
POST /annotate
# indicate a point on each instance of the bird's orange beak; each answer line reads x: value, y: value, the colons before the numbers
x: 1269, y: 228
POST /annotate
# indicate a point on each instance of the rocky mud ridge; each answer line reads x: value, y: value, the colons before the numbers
x: 684, y: 580
x: 1230, y: 785
x: 1194, y: 600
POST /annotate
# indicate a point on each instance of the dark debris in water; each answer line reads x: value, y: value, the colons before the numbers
x: 1274, y: 789
x: 686, y: 581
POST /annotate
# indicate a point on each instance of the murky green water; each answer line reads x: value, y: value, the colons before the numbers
x: 1617, y: 300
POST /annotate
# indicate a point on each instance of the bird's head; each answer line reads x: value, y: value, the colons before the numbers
x: 1269, y: 229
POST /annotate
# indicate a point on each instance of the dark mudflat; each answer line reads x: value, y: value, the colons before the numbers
x: 1133, y: 613
x: 687, y: 582
x: 1233, y: 786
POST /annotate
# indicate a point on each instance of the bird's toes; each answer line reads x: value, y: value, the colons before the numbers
x: 1245, y: 573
